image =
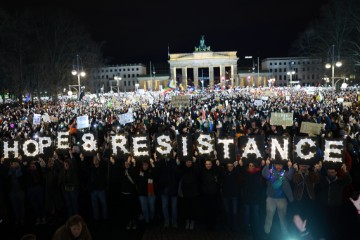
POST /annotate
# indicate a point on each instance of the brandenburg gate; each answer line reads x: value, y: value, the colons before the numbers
x: 203, y: 57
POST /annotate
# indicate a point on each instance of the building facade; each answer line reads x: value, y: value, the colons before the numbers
x: 115, y: 78
x: 288, y: 71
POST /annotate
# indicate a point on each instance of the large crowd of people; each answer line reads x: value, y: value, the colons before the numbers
x: 185, y: 194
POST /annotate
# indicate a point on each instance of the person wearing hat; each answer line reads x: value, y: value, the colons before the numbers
x: 278, y: 193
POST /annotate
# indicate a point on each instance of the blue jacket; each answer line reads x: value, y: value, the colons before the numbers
x: 278, y: 185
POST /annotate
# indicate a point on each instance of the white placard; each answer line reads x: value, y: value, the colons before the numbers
x: 287, y: 98
x: 264, y: 98
x: 46, y: 118
x: 82, y: 122
x: 37, y: 119
x: 126, y: 118
x: 258, y: 102
x: 340, y: 100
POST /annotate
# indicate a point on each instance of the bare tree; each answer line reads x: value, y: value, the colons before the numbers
x: 39, y: 47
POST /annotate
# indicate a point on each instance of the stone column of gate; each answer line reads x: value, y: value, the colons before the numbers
x: 233, y: 75
x: 211, y: 77
x: 196, y: 77
x: 222, y: 74
x: 184, y: 77
x: 173, y: 74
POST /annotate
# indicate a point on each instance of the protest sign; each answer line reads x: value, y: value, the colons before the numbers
x: 310, y: 128
x: 281, y: 119
x: 347, y: 104
x: 178, y: 101
x: 258, y: 102
x: 82, y: 122
x: 37, y: 119
x: 126, y: 118
x: 46, y: 118
x: 340, y: 100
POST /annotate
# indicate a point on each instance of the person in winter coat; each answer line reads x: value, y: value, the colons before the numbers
x: 305, y: 180
x: 75, y: 228
x: 252, y: 195
x: 168, y: 179
x: 145, y: 185
x: 69, y: 184
x: 210, y: 192
x: 97, y: 184
x: 189, y: 191
x: 129, y: 193
x: 35, y: 192
x: 16, y: 186
x: 278, y: 194
x: 329, y: 196
x: 230, y: 192
x: 53, y: 195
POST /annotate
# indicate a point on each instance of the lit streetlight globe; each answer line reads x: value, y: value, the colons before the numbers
x: 69, y: 93
x: 82, y: 74
x: 328, y: 65
x: 74, y: 72
x: 338, y: 64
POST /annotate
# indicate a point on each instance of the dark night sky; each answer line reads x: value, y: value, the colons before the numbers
x: 140, y: 31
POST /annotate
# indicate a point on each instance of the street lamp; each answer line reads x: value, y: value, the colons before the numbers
x: 76, y: 71
x: 117, y: 78
x: 290, y: 73
x: 332, y: 65
x: 136, y: 87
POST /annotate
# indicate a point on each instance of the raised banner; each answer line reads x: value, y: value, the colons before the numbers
x: 163, y: 145
x: 252, y: 149
x: 82, y: 122
x: 184, y: 147
x: 140, y: 147
x: 178, y: 101
x: 205, y: 145
x: 310, y: 128
x: 305, y: 150
x: 225, y: 148
x: 333, y: 152
x: 281, y: 119
x: 279, y: 148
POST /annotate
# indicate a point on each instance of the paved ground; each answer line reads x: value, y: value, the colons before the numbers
x: 160, y: 233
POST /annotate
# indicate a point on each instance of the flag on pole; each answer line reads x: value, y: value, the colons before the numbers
x: 170, y: 86
x: 319, y: 97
